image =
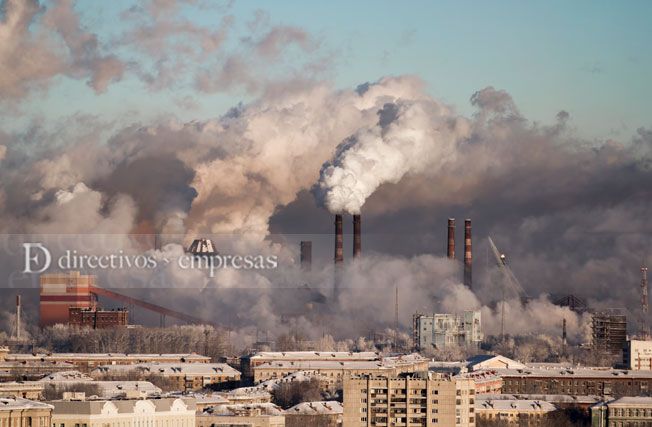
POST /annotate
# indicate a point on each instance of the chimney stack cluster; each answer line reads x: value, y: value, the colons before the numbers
x: 468, y: 250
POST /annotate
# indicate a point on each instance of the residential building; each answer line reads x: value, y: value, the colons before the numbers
x: 623, y: 412
x: 23, y: 389
x: 85, y: 362
x: 164, y: 412
x: 331, y: 373
x: 421, y: 399
x: 23, y: 412
x: 321, y: 414
x: 440, y: 331
x: 187, y: 376
x: 514, y: 411
x: 637, y: 355
x: 255, y: 415
x: 248, y: 363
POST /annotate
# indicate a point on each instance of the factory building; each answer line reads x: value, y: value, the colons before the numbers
x: 637, y: 355
x: 96, y: 318
x: 441, y: 331
x: 609, y: 332
x: 423, y: 399
x: 61, y: 291
x: 165, y: 412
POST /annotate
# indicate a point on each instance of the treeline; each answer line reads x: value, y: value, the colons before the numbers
x: 204, y: 340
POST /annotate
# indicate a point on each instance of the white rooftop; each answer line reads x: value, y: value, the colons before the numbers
x: 65, y: 376
x: 172, y: 368
x: 513, y: 405
x: 12, y: 404
x: 629, y: 400
x: 243, y: 409
x: 81, y: 356
x: 316, y: 355
x: 315, y: 408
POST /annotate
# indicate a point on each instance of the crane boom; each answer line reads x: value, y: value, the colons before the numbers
x: 510, y: 278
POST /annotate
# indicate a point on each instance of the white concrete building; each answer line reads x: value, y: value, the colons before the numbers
x: 172, y: 412
x: 637, y: 355
x: 439, y: 331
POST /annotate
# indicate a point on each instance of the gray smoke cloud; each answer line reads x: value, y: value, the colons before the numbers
x: 571, y: 214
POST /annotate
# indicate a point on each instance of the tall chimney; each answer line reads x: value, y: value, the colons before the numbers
x: 339, y: 240
x: 357, y: 236
x: 18, y: 316
x: 468, y: 254
x: 450, y: 252
x: 306, y: 255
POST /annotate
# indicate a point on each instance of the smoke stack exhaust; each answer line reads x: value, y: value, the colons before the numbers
x: 450, y: 252
x: 339, y: 240
x: 18, y: 316
x: 306, y: 255
x: 357, y: 236
x: 468, y: 254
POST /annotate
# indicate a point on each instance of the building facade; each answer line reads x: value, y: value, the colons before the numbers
x: 96, y: 318
x: 609, y: 332
x: 18, y: 412
x: 256, y: 415
x: 424, y: 399
x: 61, y: 291
x: 319, y: 414
x: 623, y: 412
x: 514, y: 411
x: 637, y: 355
x: 165, y: 412
x: 440, y: 331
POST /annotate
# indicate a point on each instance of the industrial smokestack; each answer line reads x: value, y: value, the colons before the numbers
x: 450, y: 252
x: 339, y: 240
x: 468, y: 254
x: 306, y: 255
x: 357, y: 236
x: 18, y: 316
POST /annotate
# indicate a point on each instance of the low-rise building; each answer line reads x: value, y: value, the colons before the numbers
x: 97, y: 318
x: 23, y: 389
x: 576, y: 381
x: 440, y: 331
x: 23, y: 412
x: 322, y: 414
x: 187, y: 376
x: 248, y: 363
x: 30, y: 370
x: 637, y: 355
x: 164, y: 412
x: 514, y: 411
x: 486, y: 382
x: 331, y: 373
x: 422, y: 399
x: 256, y: 415
x: 561, y: 401
x: 86, y: 362
x: 623, y: 412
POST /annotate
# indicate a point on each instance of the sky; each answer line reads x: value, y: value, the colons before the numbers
x: 260, y: 120
x: 589, y: 58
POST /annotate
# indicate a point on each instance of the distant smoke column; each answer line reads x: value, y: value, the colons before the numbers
x: 357, y: 236
x: 339, y: 240
x: 468, y: 256
x: 17, y: 316
x: 450, y: 252
x: 306, y: 255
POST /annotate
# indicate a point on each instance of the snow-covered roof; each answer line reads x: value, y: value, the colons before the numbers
x: 316, y: 408
x: 316, y: 355
x: 489, y: 361
x: 513, y: 405
x: 244, y: 409
x: 172, y: 369
x: 552, y: 398
x: 11, y: 404
x: 631, y: 401
x: 108, y: 356
x: 574, y: 373
x: 64, y: 376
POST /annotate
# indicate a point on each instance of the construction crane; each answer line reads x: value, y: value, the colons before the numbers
x: 510, y: 282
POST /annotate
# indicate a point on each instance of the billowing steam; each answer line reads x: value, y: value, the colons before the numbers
x: 410, y: 137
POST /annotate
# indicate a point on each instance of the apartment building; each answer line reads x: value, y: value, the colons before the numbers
x: 254, y: 415
x: 423, y: 399
x: 322, y: 414
x: 623, y: 412
x: 187, y: 376
x: 444, y: 330
x: 25, y: 390
x: 514, y: 411
x: 637, y: 355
